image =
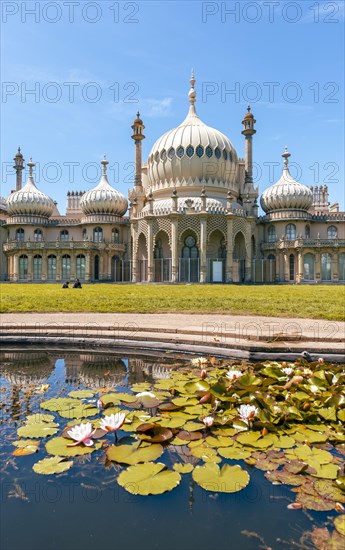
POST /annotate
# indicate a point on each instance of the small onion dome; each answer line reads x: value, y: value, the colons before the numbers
x: 287, y: 193
x: 104, y: 199
x: 248, y: 114
x: 29, y: 201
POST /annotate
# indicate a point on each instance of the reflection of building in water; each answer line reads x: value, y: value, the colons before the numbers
x: 73, y: 365
x: 99, y: 371
x: 23, y: 370
x: 145, y: 369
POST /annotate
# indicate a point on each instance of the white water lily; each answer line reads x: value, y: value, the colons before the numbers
x: 82, y: 433
x: 247, y: 412
x: 208, y: 421
x: 287, y: 370
x: 234, y: 374
x: 112, y: 422
x: 145, y: 394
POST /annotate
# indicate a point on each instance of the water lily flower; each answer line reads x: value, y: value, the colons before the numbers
x: 100, y: 404
x: 287, y: 370
x: 145, y: 394
x: 208, y: 421
x: 233, y: 374
x: 198, y: 361
x: 82, y: 433
x: 321, y: 360
x: 203, y: 374
x: 247, y: 412
x: 112, y: 422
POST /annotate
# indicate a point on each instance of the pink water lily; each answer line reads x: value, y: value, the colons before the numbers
x: 112, y: 422
x: 203, y: 374
x: 82, y: 433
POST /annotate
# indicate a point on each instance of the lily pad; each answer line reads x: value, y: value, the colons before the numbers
x: 339, y: 524
x: 81, y: 394
x: 41, y: 429
x: 229, y: 479
x: 183, y: 468
x: 234, y: 453
x: 52, y: 465
x: 148, y: 479
x: 133, y: 454
x: 154, y: 433
x: 39, y: 417
x: 60, y: 446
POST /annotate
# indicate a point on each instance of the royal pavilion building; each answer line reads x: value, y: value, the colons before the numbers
x: 192, y: 217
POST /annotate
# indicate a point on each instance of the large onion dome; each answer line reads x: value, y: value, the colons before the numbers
x: 104, y: 199
x: 192, y: 152
x: 29, y: 201
x: 287, y: 193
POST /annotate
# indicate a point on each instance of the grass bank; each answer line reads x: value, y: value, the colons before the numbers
x: 316, y: 302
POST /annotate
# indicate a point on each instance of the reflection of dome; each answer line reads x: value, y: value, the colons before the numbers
x: 164, y: 206
x: 22, y: 368
x: 152, y: 369
x: 29, y: 201
x: 287, y: 193
x: 192, y: 152
x: 100, y: 371
x: 104, y: 199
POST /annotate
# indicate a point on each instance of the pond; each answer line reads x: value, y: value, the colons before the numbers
x: 250, y: 504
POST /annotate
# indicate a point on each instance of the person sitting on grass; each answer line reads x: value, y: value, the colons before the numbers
x: 77, y: 284
x: 65, y: 285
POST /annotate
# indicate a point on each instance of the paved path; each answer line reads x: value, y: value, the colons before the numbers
x: 201, y: 333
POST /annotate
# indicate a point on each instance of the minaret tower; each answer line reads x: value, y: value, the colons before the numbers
x: 138, y: 136
x: 19, y: 167
x: 249, y: 130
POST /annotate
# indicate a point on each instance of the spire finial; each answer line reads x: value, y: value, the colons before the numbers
x: 105, y: 162
x: 286, y: 156
x: 192, y: 92
x: 248, y: 108
x: 138, y: 114
x: 31, y: 165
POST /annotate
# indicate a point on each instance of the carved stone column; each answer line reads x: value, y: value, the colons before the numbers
x: 229, y: 251
x: 203, y: 250
x: 150, y: 266
x: 16, y: 267
x: 30, y: 267
x: 300, y: 274
x: 174, y: 250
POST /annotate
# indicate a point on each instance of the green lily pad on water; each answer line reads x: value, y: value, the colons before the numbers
x: 81, y: 394
x: 41, y: 429
x: 59, y: 446
x: 339, y: 524
x: 148, y: 479
x: 52, y: 465
x: 183, y: 468
x: 133, y: 454
x: 229, y: 479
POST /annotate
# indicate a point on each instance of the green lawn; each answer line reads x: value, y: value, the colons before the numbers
x: 317, y: 302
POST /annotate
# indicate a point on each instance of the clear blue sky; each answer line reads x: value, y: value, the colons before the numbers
x: 94, y: 64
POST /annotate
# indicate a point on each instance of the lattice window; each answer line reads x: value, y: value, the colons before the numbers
x: 180, y: 152
x: 217, y: 152
x: 199, y: 151
x: 189, y: 223
x: 209, y: 151
x: 216, y: 222
x: 190, y: 151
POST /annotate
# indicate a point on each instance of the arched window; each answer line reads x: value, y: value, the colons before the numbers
x: 66, y: 267
x: 341, y: 266
x: 38, y: 235
x: 115, y: 235
x: 307, y: 231
x: 271, y: 234
x: 51, y: 267
x: 84, y: 235
x: 309, y: 263
x: 37, y: 275
x: 332, y: 232
x: 80, y: 266
x: 326, y: 267
x: 291, y: 267
x: 98, y: 235
x: 20, y: 234
x: 64, y: 235
x: 290, y: 231
x: 158, y: 252
x: 190, y: 249
x: 222, y: 249
x: 23, y: 267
